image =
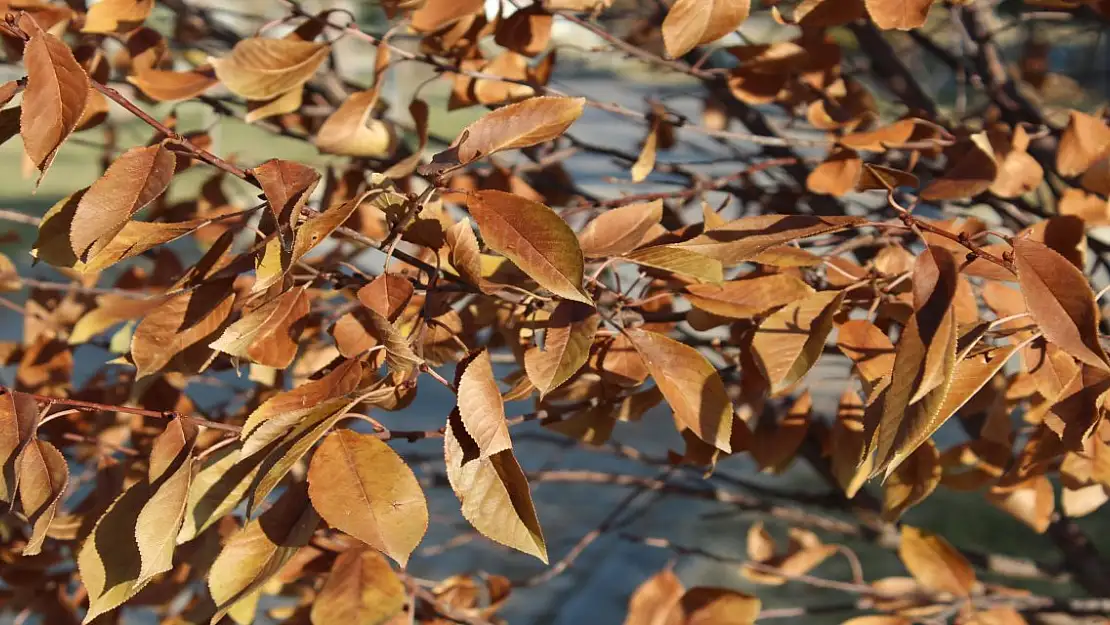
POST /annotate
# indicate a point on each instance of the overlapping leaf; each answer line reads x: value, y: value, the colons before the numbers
x: 567, y: 340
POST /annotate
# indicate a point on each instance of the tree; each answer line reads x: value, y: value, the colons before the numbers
x: 937, y: 242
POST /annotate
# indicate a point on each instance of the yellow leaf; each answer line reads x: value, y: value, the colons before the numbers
x: 261, y: 69
x: 361, y: 588
x: 934, y: 563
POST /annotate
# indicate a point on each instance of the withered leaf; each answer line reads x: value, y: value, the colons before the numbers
x: 789, y: 341
x: 971, y: 171
x: 690, y: 385
x: 350, y: 131
x: 260, y: 69
x: 182, y: 321
x: 480, y: 406
x: 619, y: 230
x: 518, y: 125
x: 934, y: 563
x: 655, y: 600
x: 742, y: 239
x: 257, y: 552
x: 360, y: 486
x: 54, y: 100
x: 134, y: 180
x: 747, y: 297
x: 1060, y: 301
x: 680, y: 260
x: 43, y: 477
x: 690, y: 23
x: 1084, y: 141
x: 268, y: 333
x: 534, y: 237
x: 493, y: 492
x: 169, y: 475
x: 567, y: 340
x: 19, y: 415
x: 924, y: 362
x: 718, y: 606
x: 169, y: 86
x: 360, y: 588
x: 116, y: 16
x: 900, y: 14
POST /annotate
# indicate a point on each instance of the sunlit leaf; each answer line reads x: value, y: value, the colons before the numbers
x: 934, y: 563
x: 690, y: 23
x: 534, y: 237
x: 54, y: 100
x: 619, y: 230
x: 360, y: 486
x: 742, y: 239
x: 360, y: 588
x: 260, y: 69
x: 789, y: 341
x: 690, y: 385
x: 570, y: 332
x: 43, y: 477
x: 19, y: 415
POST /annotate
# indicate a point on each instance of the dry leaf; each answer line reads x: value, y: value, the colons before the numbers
x: 360, y: 588
x: 789, y: 341
x: 567, y: 339
x: 934, y: 563
x: 54, y: 100
x: 360, y: 486
x: 691, y: 23
x: 261, y: 69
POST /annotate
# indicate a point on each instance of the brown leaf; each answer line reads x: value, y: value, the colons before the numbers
x: 655, y: 600
x: 519, y: 125
x: 493, y: 492
x: 775, y: 442
x: 788, y: 342
x: 748, y: 297
x: 169, y: 476
x: 19, y: 415
x: 742, y: 239
x: 360, y: 588
x: 267, y: 334
x: 645, y: 162
x: 691, y: 23
x: 1018, y: 172
x: 870, y: 350
x: 527, y: 31
x: 481, y: 409
x: 436, y: 14
x: 261, y: 69
x: 678, y: 260
x: 1084, y: 141
x: 900, y: 14
x: 914, y: 480
x: 924, y: 361
x: 43, y: 477
x: 880, y: 139
x: 534, y: 237
x: 934, y: 563
x: 350, y: 131
x: 885, y: 178
x: 258, y: 551
x: 971, y: 170
x: 1060, y: 300
x: 287, y: 186
x: 718, y: 606
x: 837, y: 175
x: 690, y: 385
x: 169, y: 86
x: 187, y: 319
x: 116, y: 16
x: 360, y: 486
x: 217, y: 489
x: 54, y: 100
x: 134, y: 180
x: 278, y: 414
x: 1032, y: 502
x: 567, y: 340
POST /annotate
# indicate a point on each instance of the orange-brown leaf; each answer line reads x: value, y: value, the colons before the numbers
x: 934, y: 563
x: 54, y: 100
x: 691, y: 23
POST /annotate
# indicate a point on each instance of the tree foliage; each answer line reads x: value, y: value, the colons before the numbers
x: 940, y: 246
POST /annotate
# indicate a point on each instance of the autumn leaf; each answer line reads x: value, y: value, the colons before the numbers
x: 43, y: 477
x: 645, y: 163
x: 915, y: 479
x: 19, y: 415
x: 286, y: 186
x: 718, y: 606
x: 360, y: 486
x: 217, y: 489
x: 493, y: 492
x: 837, y: 175
x: 619, y: 230
x: 655, y: 601
x: 281, y: 412
x: 789, y: 341
x: 870, y: 350
x: 534, y: 237
x: 742, y: 239
x: 170, y: 86
x: 187, y: 319
x: 1085, y: 140
x: 747, y: 297
x: 268, y: 333
x: 900, y: 14
x: 360, y: 588
x: 690, y: 385
x: 567, y: 339
x: 971, y: 170
x: 54, y: 100
x: 934, y: 563
x: 518, y: 125
x: 116, y: 16
x: 350, y: 131
x: 134, y: 538
x: 258, y: 551
x: 690, y: 23
x: 679, y: 260
x: 260, y: 69
x: 134, y: 180
x: 924, y: 362
x: 480, y: 407
x: 1060, y: 301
